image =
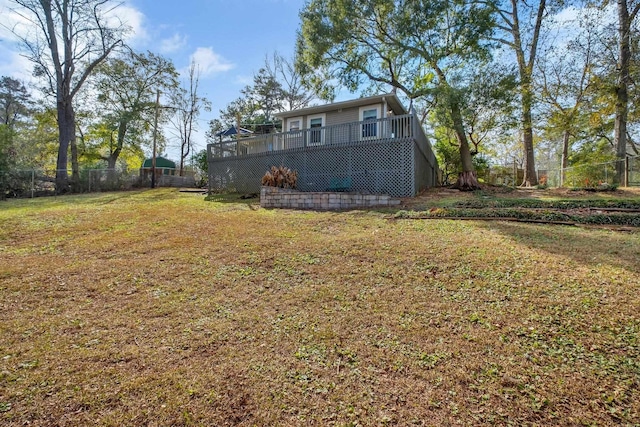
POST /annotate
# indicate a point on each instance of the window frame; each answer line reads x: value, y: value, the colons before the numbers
x: 318, y: 133
x: 376, y: 129
x: 294, y: 119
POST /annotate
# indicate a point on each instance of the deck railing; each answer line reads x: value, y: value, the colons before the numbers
x: 380, y: 130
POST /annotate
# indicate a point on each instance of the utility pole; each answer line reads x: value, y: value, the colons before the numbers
x: 155, y: 141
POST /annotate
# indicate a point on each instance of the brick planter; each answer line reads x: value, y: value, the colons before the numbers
x: 273, y: 197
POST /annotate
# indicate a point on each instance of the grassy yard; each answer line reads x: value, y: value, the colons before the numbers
x: 158, y: 308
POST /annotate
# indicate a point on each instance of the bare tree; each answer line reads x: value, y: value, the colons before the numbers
x: 294, y: 92
x: 188, y: 105
x: 70, y: 38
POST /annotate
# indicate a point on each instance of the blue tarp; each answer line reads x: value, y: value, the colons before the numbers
x: 233, y: 131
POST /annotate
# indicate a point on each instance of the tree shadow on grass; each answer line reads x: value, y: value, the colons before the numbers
x: 125, y: 195
x: 251, y: 200
x: 583, y: 245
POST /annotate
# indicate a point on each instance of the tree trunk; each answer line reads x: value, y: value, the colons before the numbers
x: 111, y: 170
x: 467, y: 179
x: 112, y: 160
x: 530, y: 179
x: 182, y: 156
x: 525, y: 69
x: 67, y: 133
x: 565, y: 156
x: 75, y: 168
x: 622, y: 91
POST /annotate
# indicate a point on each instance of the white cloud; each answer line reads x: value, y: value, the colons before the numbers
x: 132, y: 18
x: 173, y: 44
x: 15, y: 65
x: 244, y: 80
x: 209, y: 62
x: 13, y: 21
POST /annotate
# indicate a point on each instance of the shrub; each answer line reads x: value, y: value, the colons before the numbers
x: 280, y: 177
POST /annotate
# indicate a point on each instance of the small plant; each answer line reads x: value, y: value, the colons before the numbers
x: 281, y: 177
x: 542, y: 183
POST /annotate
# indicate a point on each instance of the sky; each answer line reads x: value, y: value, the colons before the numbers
x: 228, y: 39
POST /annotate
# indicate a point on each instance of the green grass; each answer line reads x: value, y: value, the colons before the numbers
x: 161, y: 308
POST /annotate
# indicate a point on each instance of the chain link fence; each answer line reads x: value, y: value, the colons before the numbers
x: 591, y: 175
x: 35, y: 182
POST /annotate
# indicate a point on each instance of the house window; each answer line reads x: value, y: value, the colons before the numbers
x: 294, y: 125
x: 315, y: 136
x: 315, y: 124
x: 370, y: 130
x: 294, y: 136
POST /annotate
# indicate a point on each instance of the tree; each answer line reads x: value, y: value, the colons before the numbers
x: 14, y: 100
x: 277, y: 86
x: 419, y: 47
x: 188, y: 105
x: 266, y: 94
x: 521, y: 24
x: 295, y: 92
x: 126, y: 88
x: 627, y: 12
x: 487, y: 106
x: 71, y: 38
x: 565, y: 77
x: 15, y: 103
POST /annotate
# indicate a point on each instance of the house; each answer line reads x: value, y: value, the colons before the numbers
x: 164, y: 166
x: 367, y: 145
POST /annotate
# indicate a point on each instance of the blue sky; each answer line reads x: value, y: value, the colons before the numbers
x: 227, y: 38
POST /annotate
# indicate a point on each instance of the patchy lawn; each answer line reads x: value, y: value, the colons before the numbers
x: 160, y: 308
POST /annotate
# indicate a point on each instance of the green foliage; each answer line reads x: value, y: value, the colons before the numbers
x: 620, y: 219
x: 127, y: 88
x: 7, y: 136
x: 6, y: 156
x: 15, y: 101
x: 38, y: 148
x: 548, y: 204
x: 448, y: 155
x: 266, y: 94
x: 403, y: 44
x: 591, y: 164
x: 200, y: 160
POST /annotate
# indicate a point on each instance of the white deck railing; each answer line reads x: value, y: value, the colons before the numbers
x: 380, y: 130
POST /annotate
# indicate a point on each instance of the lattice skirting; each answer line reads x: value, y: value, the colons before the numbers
x: 394, y: 167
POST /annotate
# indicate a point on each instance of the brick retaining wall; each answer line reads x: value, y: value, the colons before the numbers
x: 273, y: 197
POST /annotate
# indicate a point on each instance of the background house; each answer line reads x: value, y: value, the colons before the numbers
x: 164, y: 166
x: 372, y: 143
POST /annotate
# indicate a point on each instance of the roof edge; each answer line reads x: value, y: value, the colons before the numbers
x: 392, y: 97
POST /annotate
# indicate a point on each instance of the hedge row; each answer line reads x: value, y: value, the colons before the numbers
x: 548, y: 204
x: 624, y: 219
